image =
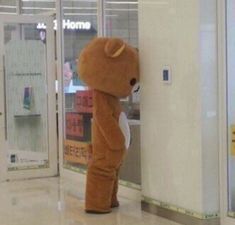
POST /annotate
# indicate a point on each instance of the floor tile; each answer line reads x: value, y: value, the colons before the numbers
x: 53, y: 201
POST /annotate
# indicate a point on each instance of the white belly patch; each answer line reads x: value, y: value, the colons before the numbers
x: 124, y: 126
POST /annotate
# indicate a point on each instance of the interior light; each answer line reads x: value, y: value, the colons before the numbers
x: 55, y: 0
x: 111, y: 15
x: 38, y: 1
x: 81, y: 1
x: 80, y: 14
x: 127, y: 10
x: 119, y: 2
x: 8, y: 6
x: 37, y: 8
x: 86, y: 8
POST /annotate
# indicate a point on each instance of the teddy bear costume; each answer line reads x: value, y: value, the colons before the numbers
x: 110, y: 67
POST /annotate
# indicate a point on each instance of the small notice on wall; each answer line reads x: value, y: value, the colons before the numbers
x: 75, y: 152
x: 233, y: 140
x: 27, y: 97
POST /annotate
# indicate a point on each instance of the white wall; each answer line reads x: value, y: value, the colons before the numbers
x: 176, y: 119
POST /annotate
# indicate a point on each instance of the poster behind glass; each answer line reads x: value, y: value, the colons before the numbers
x: 79, y: 29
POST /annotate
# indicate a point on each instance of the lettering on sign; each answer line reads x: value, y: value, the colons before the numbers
x: 68, y: 25
x: 74, y: 124
x: 75, y: 152
x: 83, y: 101
x: 78, y: 126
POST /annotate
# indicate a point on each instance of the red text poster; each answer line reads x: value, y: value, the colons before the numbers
x: 78, y: 126
x: 83, y: 101
x: 75, y: 152
x: 74, y: 125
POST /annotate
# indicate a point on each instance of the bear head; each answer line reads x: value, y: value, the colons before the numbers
x: 109, y: 65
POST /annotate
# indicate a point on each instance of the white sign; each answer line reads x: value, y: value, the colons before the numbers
x: 68, y: 25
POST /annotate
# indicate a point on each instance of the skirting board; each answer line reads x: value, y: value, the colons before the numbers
x: 177, y: 216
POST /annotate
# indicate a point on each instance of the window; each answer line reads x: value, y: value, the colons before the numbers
x: 7, y: 6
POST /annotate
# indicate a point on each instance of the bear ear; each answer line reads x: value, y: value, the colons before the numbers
x: 114, y: 47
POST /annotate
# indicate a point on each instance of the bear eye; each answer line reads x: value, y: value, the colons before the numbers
x: 132, y: 81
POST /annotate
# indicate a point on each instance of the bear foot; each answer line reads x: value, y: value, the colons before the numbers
x: 97, y: 212
x: 115, y: 204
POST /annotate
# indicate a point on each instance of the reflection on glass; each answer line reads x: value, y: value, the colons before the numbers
x: 80, y: 26
x: 31, y: 7
x: 8, y: 6
x: 26, y: 98
x: 122, y: 21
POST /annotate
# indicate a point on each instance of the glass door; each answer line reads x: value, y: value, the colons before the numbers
x: 226, y: 59
x: 28, y: 133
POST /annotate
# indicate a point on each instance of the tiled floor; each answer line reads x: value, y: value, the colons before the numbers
x: 56, y: 202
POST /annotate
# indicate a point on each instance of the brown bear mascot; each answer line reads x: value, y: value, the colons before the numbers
x: 111, y: 68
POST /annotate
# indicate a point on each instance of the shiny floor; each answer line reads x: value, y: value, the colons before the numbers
x: 53, y: 201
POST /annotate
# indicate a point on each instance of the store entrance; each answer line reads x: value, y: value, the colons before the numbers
x: 28, y: 142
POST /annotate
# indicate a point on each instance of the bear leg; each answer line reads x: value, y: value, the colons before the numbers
x: 114, y: 200
x: 99, y: 190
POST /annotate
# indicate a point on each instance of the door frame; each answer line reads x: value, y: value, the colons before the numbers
x: 223, y: 130
x: 52, y: 170
x: 3, y: 171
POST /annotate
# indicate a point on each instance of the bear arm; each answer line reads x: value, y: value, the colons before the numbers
x: 107, y: 124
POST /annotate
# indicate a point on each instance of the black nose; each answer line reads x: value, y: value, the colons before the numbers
x: 133, y: 82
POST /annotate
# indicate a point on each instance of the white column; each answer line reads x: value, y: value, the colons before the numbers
x: 179, y: 120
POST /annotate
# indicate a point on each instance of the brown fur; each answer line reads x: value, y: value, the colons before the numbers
x: 107, y: 65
